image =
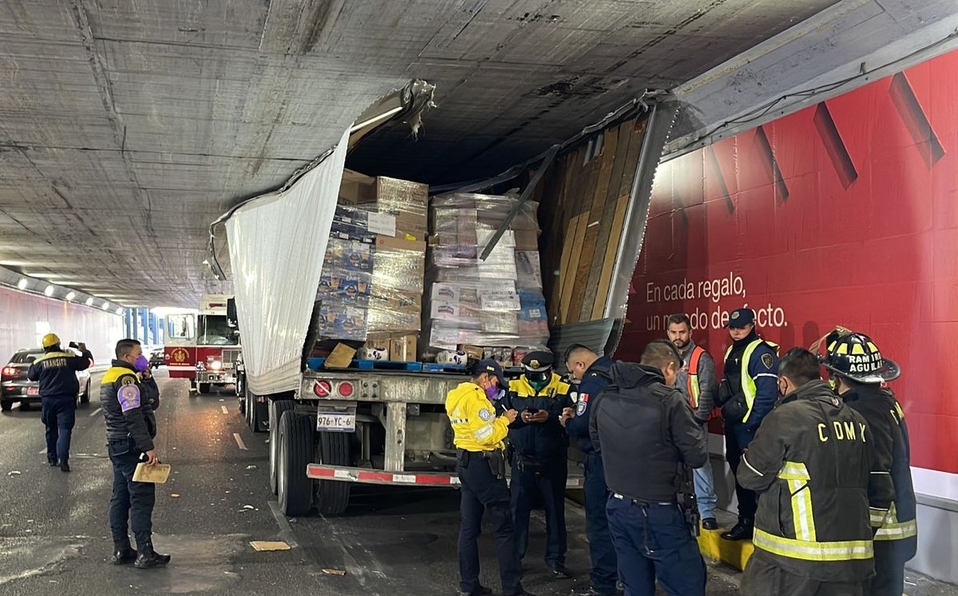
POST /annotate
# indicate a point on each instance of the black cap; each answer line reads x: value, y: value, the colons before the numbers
x: 741, y: 317
x: 538, y: 361
x: 492, y: 367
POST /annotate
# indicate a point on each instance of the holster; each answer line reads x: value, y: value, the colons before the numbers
x: 497, y: 462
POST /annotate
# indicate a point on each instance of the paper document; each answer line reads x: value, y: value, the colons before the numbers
x: 156, y: 474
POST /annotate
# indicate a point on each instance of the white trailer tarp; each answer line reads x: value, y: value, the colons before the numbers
x: 276, y: 245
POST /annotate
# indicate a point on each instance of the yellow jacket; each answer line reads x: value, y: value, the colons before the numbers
x: 473, y: 419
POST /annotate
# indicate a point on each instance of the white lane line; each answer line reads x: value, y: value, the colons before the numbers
x: 42, y: 451
x: 239, y: 441
x: 95, y: 412
x: 225, y: 409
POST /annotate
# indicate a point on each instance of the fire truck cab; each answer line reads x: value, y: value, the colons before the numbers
x: 201, y: 346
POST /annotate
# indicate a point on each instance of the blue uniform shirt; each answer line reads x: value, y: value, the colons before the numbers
x: 596, y: 379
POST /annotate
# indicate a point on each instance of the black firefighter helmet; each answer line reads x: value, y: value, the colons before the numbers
x: 855, y: 355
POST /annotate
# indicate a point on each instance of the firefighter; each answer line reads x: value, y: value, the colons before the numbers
x: 860, y: 372
x: 810, y: 462
x: 56, y: 372
x: 539, y: 449
x: 130, y: 430
x: 646, y: 434
x: 697, y: 381
x: 592, y: 373
x: 748, y: 392
x: 479, y: 436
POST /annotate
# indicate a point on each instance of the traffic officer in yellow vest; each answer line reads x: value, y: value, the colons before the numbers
x: 480, y: 451
x: 810, y: 462
x: 540, y: 450
x: 56, y: 372
x: 697, y: 381
x: 859, y: 372
x: 748, y: 392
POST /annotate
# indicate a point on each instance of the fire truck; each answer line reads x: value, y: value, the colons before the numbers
x: 201, y: 346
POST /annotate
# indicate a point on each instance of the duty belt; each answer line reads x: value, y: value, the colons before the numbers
x: 639, y: 502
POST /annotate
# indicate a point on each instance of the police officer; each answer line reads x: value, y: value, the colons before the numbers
x: 747, y: 393
x: 859, y: 372
x: 540, y: 448
x: 697, y: 381
x: 809, y: 460
x: 646, y: 434
x: 130, y: 430
x: 592, y: 373
x: 478, y: 436
x: 56, y: 372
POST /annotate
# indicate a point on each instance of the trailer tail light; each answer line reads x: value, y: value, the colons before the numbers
x: 345, y: 389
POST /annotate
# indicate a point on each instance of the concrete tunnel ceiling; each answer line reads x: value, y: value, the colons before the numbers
x: 126, y: 127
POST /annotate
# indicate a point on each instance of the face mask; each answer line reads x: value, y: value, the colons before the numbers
x: 492, y: 392
x: 141, y: 363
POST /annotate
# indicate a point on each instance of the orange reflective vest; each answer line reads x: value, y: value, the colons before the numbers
x: 693, y: 378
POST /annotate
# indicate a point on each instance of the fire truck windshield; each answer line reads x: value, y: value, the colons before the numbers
x: 213, y: 331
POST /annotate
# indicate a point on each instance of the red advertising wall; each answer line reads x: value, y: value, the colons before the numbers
x: 843, y: 213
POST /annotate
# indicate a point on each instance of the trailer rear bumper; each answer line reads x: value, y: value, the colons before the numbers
x: 367, y: 476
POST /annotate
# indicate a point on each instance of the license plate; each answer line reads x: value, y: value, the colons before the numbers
x: 227, y: 365
x: 336, y: 418
x: 33, y: 391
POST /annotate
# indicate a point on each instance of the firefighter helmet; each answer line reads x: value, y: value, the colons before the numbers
x: 49, y: 340
x: 855, y: 355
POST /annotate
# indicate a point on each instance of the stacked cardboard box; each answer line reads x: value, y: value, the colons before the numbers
x: 372, y: 283
x: 496, y: 303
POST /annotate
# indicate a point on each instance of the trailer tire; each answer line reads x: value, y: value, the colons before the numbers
x: 256, y: 413
x: 204, y: 388
x: 276, y: 410
x: 332, y: 449
x: 294, y: 488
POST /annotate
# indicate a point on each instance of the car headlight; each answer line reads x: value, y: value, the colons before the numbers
x: 216, y: 365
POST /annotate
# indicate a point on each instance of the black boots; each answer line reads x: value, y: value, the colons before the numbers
x: 742, y: 530
x: 64, y: 466
x: 148, y: 559
x: 123, y: 555
x: 709, y: 523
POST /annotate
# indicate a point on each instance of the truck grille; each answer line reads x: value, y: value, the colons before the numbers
x: 230, y: 356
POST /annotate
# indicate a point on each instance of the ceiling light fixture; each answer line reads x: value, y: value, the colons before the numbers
x: 22, y: 284
x: 106, y: 305
x: 119, y: 310
x: 89, y: 301
x: 49, y: 290
x: 71, y: 295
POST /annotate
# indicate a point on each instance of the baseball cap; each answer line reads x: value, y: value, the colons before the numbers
x: 492, y: 367
x: 741, y: 317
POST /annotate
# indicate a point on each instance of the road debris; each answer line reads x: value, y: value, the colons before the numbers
x: 267, y: 546
x: 339, y: 572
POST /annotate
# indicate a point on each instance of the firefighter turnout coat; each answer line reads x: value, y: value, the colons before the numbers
x: 810, y: 463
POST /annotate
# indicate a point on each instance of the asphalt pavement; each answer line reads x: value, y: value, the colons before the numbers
x: 54, y: 531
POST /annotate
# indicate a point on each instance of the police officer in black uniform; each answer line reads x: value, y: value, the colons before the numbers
x: 130, y: 429
x: 747, y: 393
x: 592, y: 373
x: 56, y: 372
x: 647, y: 435
x: 540, y: 449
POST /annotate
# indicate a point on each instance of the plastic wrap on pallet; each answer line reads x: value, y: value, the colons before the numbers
x: 395, y: 306
x: 484, y: 302
x: 403, y: 201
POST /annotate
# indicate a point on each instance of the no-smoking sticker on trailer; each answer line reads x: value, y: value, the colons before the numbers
x: 323, y: 388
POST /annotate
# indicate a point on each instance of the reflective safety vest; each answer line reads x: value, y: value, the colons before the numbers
x: 748, y: 384
x: 693, y: 378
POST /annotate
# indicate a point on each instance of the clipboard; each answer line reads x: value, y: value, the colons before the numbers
x: 157, y: 474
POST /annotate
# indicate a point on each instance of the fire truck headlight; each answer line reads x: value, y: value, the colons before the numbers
x: 216, y: 365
